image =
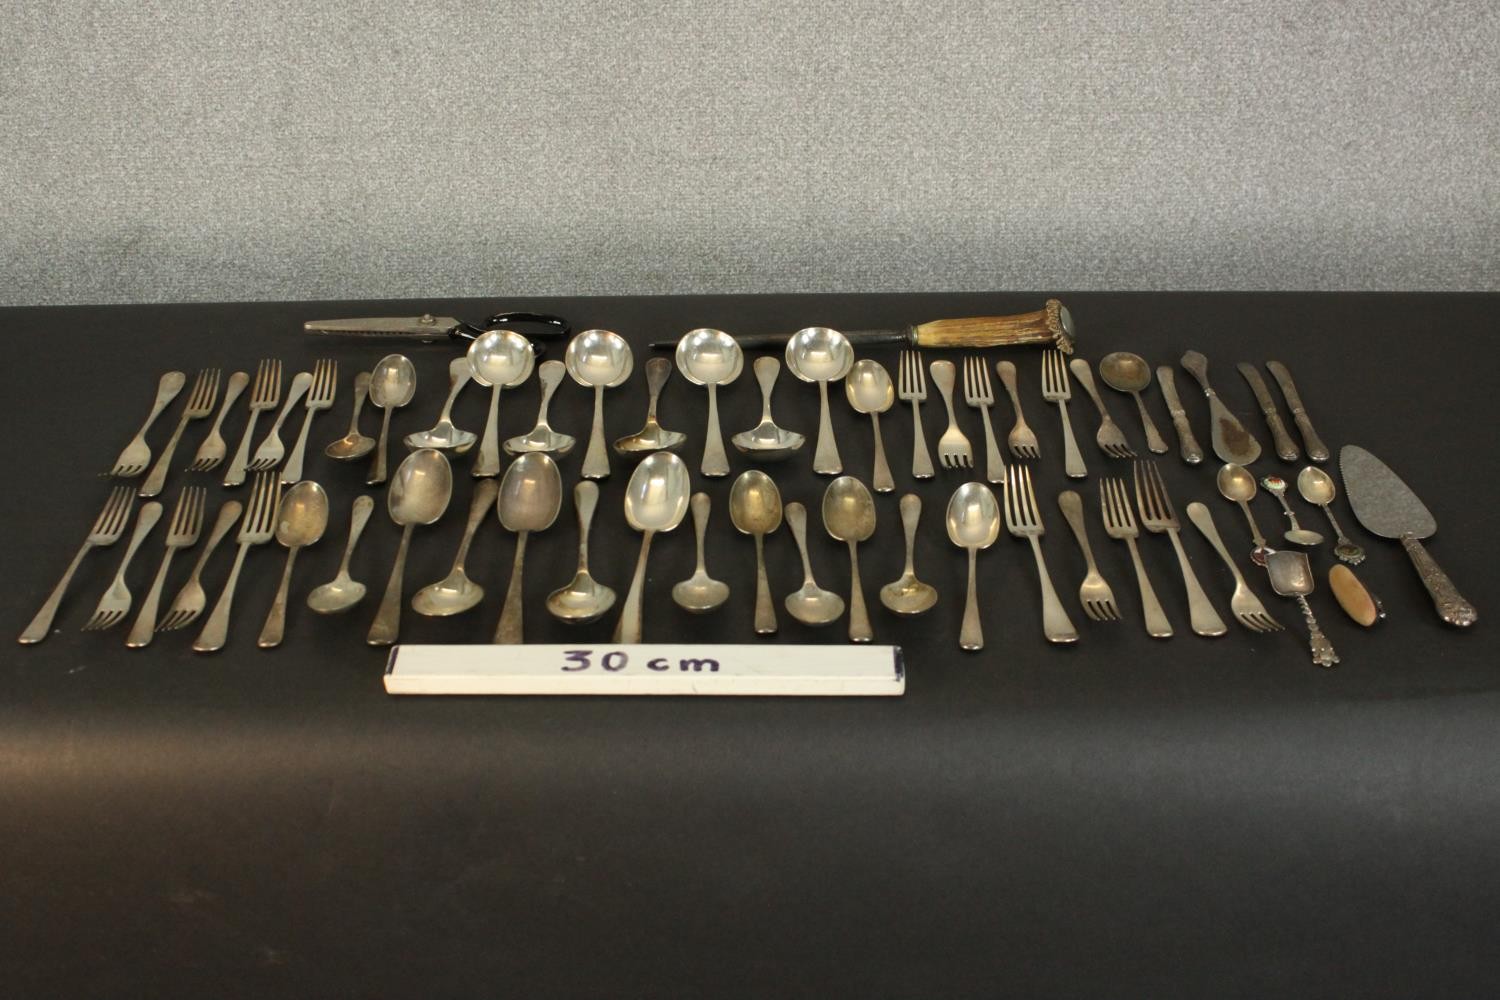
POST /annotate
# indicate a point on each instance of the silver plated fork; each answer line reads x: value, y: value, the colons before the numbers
x: 256, y: 528
x: 980, y: 394
x: 911, y: 387
x: 1246, y: 607
x: 1094, y: 594
x: 1024, y: 520
x: 1159, y: 518
x: 264, y: 395
x: 107, y: 529
x: 271, y: 451
x: 191, y: 600
x: 1022, y: 439
x: 182, y: 532
x: 1111, y: 439
x: 954, y: 450
x: 114, y: 603
x: 1055, y: 389
x: 325, y: 384
x: 212, y: 451
x: 200, y: 404
x: 136, y: 455
x: 1119, y: 524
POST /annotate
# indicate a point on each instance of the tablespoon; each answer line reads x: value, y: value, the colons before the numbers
x: 599, y: 360
x: 213, y: 449
x: 542, y: 437
x: 818, y: 354
x: 530, y: 497
x: 584, y: 599
x: 700, y: 592
x: 301, y: 521
x: 418, y: 494
x: 456, y: 593
x: 656, y: 498
x: 849, y: 517
x: 500, y: 359
x: 907, y: 595
x: 711, y: 358
x: 271, y: 450
x: 810, y: 604
x: 766, y: 442
x: 1317, y: 487
x: 354, y: 444
x: 443, y: 436
x: 755, y: 509
x: 1236, y: 483
x: 1296, y: 534
x: 870, y: 391
x: 342, y: 592
x: 973, y: 524
x: 653, y: 436
x: 136, y: 455
x: 393, y: 382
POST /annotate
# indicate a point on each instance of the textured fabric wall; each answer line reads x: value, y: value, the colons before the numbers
x: 286, y: 149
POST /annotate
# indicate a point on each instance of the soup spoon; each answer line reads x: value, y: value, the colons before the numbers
x: 818, y: 354
x: 598, y: 359
x: 418, y: 494
x: 500, y: 359
x: 656, y: 498
x: 711, y: 358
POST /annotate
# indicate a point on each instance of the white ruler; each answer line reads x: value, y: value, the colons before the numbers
x: 607, y: 668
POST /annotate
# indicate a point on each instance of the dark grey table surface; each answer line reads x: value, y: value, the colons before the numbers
x: 1128, y: 817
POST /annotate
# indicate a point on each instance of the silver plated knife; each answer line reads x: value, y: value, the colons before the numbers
x: 1286, y: 448
x: 1316, y: 449
x: 1232, y: 443
x: 1192, y: 451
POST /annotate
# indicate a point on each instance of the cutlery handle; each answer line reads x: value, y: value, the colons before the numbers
x: 1157, y: 625
x: 1007, y: 372
x: 586, y: 500
x: 232, y: 390
x: 1286, y: 448
x: 42, y: 623
x: 158, y: 475
x: 275, y: 627
x: 377, y: 467
x: 700, y: 504
x: 1450, y: 604
x: 361, y: 393
x: 359, y: 516
x: 234, y: 475
x: 1056, y: 625
x: 628, y: 628
x: 1072, y: 457
x: 715, y: 462
x: 971, y: 632
x: 765, y: 611
x: 1085, y: 376
x: 216, y: 629
x: 1203, y: 520
x: 300, y: 384
x: 509, y: 631
x: 596, y: 459
x: 1154, y: 441
x: 488, y: 462
x: 480, y: 503
x: 1201, y: 614
x: 994, y: 466
x: 1322, y: 650
x: 387, y: 623
x: 1071, y: 505
x: 228, y: 514
x: 145, y: 520
x: 1316, y: 449
x: 796, y: 521
x: 826, y: 461
x: 943, y: 375
x: 166, y: 390
x: 880, y: 480
x: 145, y: 620
x: 1192, y: 451
x: 658, y: 371
x: 766, y: 371
x: 292, y: 471
x: 859, y: 615
x: 921, y: 458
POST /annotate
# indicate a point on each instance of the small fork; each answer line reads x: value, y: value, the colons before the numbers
x: 114, y: 604
x: 200, y: 404
x: 954, y: 451
x: 264, y: 395
x: 256, y: 529
x: 211, y: 452
x: 187, y: 520
x: 911, y: 387
x: 107, y: 529
x: 1055, y: 389
x: 1023, y: 520
x: 191, y: 600
x: 980, y: 394
x: 325, y: 383
x: 271, y: 450
x: 1247, y: 608
x: 1158, y: 517
x: 1119, y: 524
x: 1022, y: 440
x: 136, y: 455
x: 1094, y: 593
x: 1111, y: 439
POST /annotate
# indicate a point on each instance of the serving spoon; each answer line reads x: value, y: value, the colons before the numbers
x: 766, y: 442
x: 353, y: 444
x: 653, y: 436
x: 907, y: 595
x: 444, y: 436
x: 700, y: 592
x: 542, y: 437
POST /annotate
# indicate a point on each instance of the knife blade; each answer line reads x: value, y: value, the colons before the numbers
x: 1286, y: 448
x: 1316, y: 449
x: 1192, y: 451
x: 1387, y: 507
x: 1232, y: 443
x: 429, y: 327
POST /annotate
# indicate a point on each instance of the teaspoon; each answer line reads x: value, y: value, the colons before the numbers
x: 973, y: 524
x: 300, y: 522
x: 1236, y: 483
x: 711, y: 358
x: 849, y: 516
x: 343, y: 592
x: 811, y: 604
x: 907, y: 595
x: 456, y: 593
x: 500, y: 359
x: 418, y: 494
x: 700, y: 592
x: 656, y: 498
x: 530, y: 497
x: 1317, y: 487
x: 870, y: 391
x: 1296, y: 534
x: 598, y: 359
x: 584, y: 599
x: 818, y: 354
x: 755, y: 509
x: 392, y: 384
x: 542, y: 437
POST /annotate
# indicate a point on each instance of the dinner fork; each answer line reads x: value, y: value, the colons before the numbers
x: 108, y: 527
x: 1111, y: 439
x: 200, y: 404
x: 911, y: 387
x: 211, y: 452
x: 1055, y: 389
x: 954, y: 451
x: 980, y: 394
x: 264, y: 395
x: 1022, y: 439
x: 1119, y: 524
x: 1158, y: 517
x: 1023, y: 520
x: 114, y: 603
x: 256, y: 528
x: 270, y: 452
x: 182, y: 532
x: 136, y: 455
x: 191, y: 600
x: 325, y: 383
x: 1247, y: 608
x: 1094, y: 594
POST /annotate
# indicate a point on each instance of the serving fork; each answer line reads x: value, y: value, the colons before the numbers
x: 136, y: 455
x: 1247, y: 608
x: 256, y: 528
x: 271, y: 451
x: 954, y: 451
x: 325, y: 384
x: 211, y: 452
x: 114, y: 603
x: 980, y: 394
x: 1055, y: 389
x: 1021, y: 440
x: 264, y: 395
x: 1159, y: 517
x: 1094, y: 593
x: 1111, y: 439
x: 200, y: 404
x: 911, y: 387
x: 182, y: 532
x: 191, y: 600
x: 108, y: 527
x: 1023, y: 520
x: 1119, y: 524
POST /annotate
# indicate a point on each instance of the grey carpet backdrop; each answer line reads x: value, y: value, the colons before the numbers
x: 291, y: 149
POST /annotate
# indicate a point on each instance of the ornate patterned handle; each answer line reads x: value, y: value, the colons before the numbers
x: 1450, y: 604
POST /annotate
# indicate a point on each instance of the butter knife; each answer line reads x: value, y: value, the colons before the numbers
x: 1232, y: 443
x: 1192, y: 451
x: 1316, y: 449
x: 1286, y: 448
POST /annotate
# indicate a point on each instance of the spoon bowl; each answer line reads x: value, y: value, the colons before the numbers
x: 501, y: 358
x: 819, y: 354
x: 598, y: 358
x: 303, y: 516
x: 1125, y: 372
x: 420, y: 489
x: 393, y: 382
x: 869, y: 387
